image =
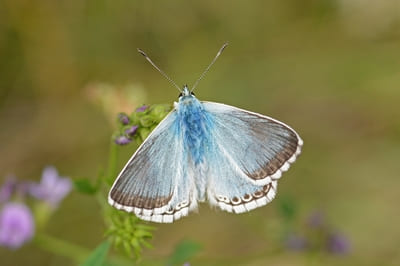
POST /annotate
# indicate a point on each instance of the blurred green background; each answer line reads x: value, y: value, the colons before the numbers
x: 328, y: 68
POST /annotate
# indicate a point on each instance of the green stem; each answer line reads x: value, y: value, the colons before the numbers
x: 69, y: 250
x: 61, y: 247
x: 112, y: 164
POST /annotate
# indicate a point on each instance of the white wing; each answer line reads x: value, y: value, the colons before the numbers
x: 156, y: 184
x: 250, y: 153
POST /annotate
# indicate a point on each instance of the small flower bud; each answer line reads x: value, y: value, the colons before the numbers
x: 122, y: 140
x: 142, y: 109
x: 131, y: 130
x: 123, y: 118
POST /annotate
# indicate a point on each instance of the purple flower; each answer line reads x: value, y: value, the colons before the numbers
x: 142, y: 109
x: 338, y: 244
x: 123, y: 118
x: 131, y: 131
x: 122, y: 140
x: 296, y: 242
x: 52, y: 187
x: 7, y: 189
x: 16, y: 225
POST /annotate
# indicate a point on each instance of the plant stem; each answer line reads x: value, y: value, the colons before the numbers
x: 69, y: 250
x: 61, y: 247
x: 112, y: 163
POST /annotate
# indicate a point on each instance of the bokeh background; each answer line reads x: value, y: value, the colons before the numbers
x: 329, y: 68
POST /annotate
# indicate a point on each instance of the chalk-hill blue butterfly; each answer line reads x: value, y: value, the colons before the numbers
x: 202, y: 151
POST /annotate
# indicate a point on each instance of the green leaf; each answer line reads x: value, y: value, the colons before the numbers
x: 183, y: 252
x: 159, y: 111
x: 146, y: 121
x: 143, y: 133
x: 98, y: 256
x: 84, y: 185
x: 127, y: 248
x: 135, y: 118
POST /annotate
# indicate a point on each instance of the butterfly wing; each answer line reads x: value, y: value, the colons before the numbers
x: 156, y: 184
x: 250, y: 153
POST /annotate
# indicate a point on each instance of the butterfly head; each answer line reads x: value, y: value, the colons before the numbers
x: 186, y: 93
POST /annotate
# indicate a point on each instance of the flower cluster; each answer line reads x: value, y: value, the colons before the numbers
x: 140, y: 123
x: 127, y: 233
x: 17, y: 200
x: 316, y: 236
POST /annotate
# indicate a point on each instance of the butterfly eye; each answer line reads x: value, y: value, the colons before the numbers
x: 180, y: 95
x: 192, y: 93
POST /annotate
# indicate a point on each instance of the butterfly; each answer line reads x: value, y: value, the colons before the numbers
x: 205, y: 151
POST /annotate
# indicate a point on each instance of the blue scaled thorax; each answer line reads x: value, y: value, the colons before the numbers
x: 195, y: 124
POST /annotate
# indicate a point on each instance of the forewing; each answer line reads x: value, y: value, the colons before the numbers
x: 250, y: 153
x: 155, y: 183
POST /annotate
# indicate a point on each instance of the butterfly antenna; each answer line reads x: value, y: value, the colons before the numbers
x: 159, y: 70
x: 209, y: 66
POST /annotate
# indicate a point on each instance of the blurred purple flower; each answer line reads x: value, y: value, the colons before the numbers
x: 316, y: 219
x: 123, y: 118
x: 16, y: 225
x: 296, y: 242
x: 7, y: 189
x: 142, y: 109
x: 52, y: 187
x: 186, y: 264
x: 338, y: 244
x: 122, y: 140
x: 131, y: 131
